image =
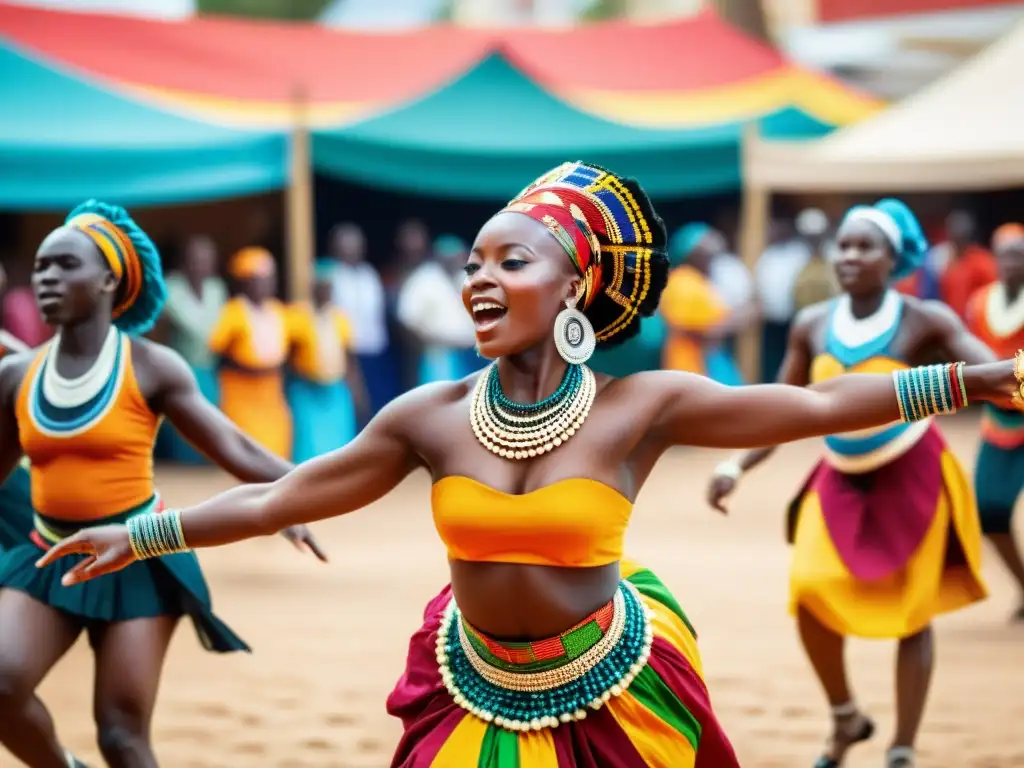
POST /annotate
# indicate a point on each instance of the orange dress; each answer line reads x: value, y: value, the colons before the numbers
x: 689, y: 303
x: 253, y: 343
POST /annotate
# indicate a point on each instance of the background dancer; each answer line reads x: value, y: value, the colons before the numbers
x: 85, y: 408
x: 858, y: 568
x: 996, y: 315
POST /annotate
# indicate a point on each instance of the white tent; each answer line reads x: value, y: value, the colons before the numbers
x: 965, y: 131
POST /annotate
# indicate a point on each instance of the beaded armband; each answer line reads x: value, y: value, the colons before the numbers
x: 156, y: 534
x: 929, y: 391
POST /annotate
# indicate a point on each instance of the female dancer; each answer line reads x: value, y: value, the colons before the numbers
x: 252, y: 340
x: 324, y: 383
x: 996, y: 315
x: 85, y: 409
x: 547, y: 649
x: 859, y: 569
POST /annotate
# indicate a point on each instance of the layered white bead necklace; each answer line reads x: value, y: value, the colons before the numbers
x: 518, y: 431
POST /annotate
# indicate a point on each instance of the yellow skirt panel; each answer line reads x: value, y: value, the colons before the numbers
x: 905, y: 602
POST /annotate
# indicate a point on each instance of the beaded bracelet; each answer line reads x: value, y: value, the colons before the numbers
x: 156, y: 534
x: 929, y: 390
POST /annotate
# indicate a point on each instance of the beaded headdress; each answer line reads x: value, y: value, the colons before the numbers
x: 609, y: 229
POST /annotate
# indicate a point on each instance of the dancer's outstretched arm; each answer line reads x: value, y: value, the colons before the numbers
x: 331, y: 485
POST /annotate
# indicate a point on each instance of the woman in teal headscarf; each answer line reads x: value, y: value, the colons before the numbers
x: 324, y: 383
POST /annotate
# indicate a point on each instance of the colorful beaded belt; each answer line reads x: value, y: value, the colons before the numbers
x: 536, y: 685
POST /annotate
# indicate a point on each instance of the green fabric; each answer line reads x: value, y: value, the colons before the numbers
x: 500, y: 749
x: 652, y: 692
x: 650, y: 586
x: 64, y: 140
x: 490, y: 132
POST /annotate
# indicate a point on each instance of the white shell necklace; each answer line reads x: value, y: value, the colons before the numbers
x: 1004, y: 317
x: 71, y: 393
x: 517, y: 431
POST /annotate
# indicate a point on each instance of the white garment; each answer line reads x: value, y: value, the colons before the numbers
x: 430, y: 306
x: 359, y: 292
x: 732, y: 280
x: 775, y: 277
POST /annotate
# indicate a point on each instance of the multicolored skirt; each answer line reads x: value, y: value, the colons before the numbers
x: 324, y: 417
x: 167, y: 586
x: 879, y: 554
x: 621, y: 689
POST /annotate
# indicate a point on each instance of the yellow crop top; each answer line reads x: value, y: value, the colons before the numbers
x: 574, y: 523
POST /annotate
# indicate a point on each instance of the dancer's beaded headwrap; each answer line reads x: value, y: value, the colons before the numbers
x: 131, y: 256
x: 616, y: 241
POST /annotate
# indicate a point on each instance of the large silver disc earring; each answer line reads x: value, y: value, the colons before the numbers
x: 574, y: 335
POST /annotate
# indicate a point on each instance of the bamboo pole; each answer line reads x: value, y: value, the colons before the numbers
x: 754, y: 214
x: 300, y: 203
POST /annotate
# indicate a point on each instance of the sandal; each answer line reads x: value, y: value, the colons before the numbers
x: 73, y: 762
x: 864, y: 732
x: 900, y: 757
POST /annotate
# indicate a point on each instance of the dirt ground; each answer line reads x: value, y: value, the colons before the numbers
x: 330, y: 640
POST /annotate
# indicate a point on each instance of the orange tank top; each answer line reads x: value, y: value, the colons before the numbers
x: 90, y: 440
x: 574, y: 523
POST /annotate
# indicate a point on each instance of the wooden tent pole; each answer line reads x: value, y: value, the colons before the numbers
x: 300, y: 203
x: 754, y: 214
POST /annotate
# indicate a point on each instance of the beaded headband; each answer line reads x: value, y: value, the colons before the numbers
x: 120, y: 255
x: 593, y: 213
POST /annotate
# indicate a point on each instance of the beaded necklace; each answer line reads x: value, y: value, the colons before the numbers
x: 521, y: 431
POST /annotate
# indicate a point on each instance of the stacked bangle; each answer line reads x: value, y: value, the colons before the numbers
x: 930, y: 390
x: 155, y: 534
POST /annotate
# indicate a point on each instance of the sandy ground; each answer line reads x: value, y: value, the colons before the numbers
x: 330, y: 640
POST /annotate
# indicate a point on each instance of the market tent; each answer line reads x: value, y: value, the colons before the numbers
x: 962, y: 132
x: 488, y: 132
x: 63, y: 140
x: 695, y: 71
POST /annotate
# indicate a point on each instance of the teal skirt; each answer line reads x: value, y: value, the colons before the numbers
x: 323, y: 417
x: 166, y: 586
x: 170, y: 444
x: 998, y: 481
x: 15, y: 508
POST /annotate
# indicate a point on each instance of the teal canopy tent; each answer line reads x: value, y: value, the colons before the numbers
x: 63, y: 140
x: 493, y: 129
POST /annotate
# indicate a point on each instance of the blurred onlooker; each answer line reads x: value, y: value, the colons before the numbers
x: 963, y: 266
x: 359, y: 293
x: 430, y: 308
x: 195, y: 297
x: 412, y: 248
x: 699, y: 320
x: 325, y: 388
x: 816, y: 282
x: 252, y: 339
x: 775, y: 279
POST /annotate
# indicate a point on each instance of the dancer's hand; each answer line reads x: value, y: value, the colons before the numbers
x: 107, y: 549
x: 302, y: 539
x: 719, y: 488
